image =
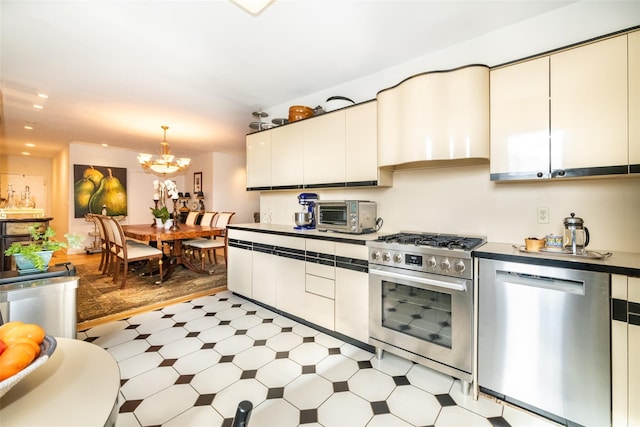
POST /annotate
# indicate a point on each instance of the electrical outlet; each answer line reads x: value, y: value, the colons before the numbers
x: 543, y: 215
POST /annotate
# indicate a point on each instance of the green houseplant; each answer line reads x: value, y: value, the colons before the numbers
x: 37, y: 253
x: 162, y: 213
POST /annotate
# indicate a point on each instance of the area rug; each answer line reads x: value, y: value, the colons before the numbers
x: 98, y: 297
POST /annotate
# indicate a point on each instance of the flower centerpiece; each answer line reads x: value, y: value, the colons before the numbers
x: 37, y: 253
x: 163, y: 190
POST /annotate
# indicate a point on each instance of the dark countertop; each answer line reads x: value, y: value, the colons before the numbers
x: 288, y: 230
x: 626, y: 263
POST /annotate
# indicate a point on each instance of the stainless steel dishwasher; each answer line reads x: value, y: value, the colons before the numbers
x: 544, y: 340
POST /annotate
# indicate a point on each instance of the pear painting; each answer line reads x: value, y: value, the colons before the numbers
x: 96, y: 187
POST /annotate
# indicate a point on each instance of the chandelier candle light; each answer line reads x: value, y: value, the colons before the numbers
x: 164, y: 165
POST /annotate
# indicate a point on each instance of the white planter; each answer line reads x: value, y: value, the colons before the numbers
x: 159, y: 223
x: 168, y: 224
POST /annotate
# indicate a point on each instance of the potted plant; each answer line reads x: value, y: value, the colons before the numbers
x: 161, y: 214
x: 37, y: 253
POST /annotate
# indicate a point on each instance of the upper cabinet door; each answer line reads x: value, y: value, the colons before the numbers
x: 259, y: 160
x: 589, y: 108
x: 634, y: 101
x: 520, y: 120
x: 434, y: 117
x: 362, y: 143
x: 287, y: 147
x: 324, y: 154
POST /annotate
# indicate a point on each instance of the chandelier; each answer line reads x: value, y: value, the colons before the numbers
x: 164, y: 165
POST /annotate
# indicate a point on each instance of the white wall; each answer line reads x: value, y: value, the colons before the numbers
x: 463, y: 199
x: 229, y: 180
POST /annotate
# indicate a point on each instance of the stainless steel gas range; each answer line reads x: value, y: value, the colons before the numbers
x: 421, y: 299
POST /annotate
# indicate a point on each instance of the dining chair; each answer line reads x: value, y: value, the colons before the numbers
x: 191, y: 218
x: 208, y: 218
x: 126, y: 252
x: 206, y: 247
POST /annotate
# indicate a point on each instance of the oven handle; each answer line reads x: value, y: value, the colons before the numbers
x: 439, y: 283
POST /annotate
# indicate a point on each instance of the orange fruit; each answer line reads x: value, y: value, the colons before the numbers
x: 29, y: 330
x: 8, y: 327
x: 28, y: 341
x: 15, y: 358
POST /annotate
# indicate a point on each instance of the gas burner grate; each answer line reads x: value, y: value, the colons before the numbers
x: 446, y: 241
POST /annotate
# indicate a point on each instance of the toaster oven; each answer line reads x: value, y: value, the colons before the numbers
x: 346, y: 216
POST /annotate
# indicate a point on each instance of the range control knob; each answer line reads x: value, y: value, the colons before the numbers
x: 459, y: 266
x: 445, y: 264
x: 386, y: 257
x: 432, y: 263
x: 397, y: 258
x: 375, y: 255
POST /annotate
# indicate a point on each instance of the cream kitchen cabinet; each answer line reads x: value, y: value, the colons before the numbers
x: 287, y: 160
x: 320, y: 282
x: 259, y: 160
x: 562, y: 115
x: 634, y: 101
x: 625, y: 350
x: 288, y: 265
x: 324, y: 149
x: 240, y: 262
x: 333, y: 150
x: 435, y: 117
x: 352, y: 291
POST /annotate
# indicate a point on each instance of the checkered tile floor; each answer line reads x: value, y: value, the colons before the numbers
x: 190, y: 364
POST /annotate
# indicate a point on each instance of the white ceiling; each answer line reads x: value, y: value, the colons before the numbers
x: 115, y: 71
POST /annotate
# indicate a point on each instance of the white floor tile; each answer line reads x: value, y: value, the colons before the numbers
x: 278, y: 373
x: 308, y: 353
x: 254, y: 357
x: 201, y: 323
x: 197, y: 416
x: 263, y: 331
x: 166, y: 404
x: 518, y: 417
x: 387, y: 420
x: 155, y: 325
x: 246, y: 322
x: 483, y: 406
x: 274, y: 412
x: 167, y: 335
x: 139, y: 364
x: 216, y: 378
x: 455, y: 416
x: 196, y: 362
x: 337, y: 367
x: 128, y: 349
x: 231, y: 313
x: 344, y: 409
x: 217, y: 334
x: 414, y: 405
x: 392, y: 364
x: 179, y: 348
x: 144, y: 385
x: 284, y: 342
x: 308, y: 391
x: 226, y: 402
x: 371, y: 384
x: 234, y: 345
x: 429, y: 380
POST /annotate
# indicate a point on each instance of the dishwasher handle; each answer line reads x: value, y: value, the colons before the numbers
x: 550, y: 283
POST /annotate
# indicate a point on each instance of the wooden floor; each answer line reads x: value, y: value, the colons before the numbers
x: 76, y: 259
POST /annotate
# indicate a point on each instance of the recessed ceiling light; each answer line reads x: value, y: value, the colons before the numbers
x: 26, y: 153
x: 39, y: 107
x: 30, y: 144
x: 43, y: 95
x: 28, y: 127
x: 104, y: 145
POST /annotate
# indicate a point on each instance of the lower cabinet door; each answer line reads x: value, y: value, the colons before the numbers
x: 352, y: 304
x: 290, y: 293
x: 239, y: 267
x: 264, y: 280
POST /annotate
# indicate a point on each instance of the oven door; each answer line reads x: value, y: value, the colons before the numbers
x: 426, y: 315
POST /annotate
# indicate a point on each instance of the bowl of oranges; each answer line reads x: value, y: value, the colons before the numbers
x: 24, y: 347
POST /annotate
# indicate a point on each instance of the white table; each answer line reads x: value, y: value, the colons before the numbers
x: 78, y: 386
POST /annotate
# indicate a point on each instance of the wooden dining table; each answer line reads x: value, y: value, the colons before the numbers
x: 147, y: 233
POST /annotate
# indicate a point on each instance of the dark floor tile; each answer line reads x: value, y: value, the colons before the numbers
x: 208, y: 345
x: 184, y: 379
x: 339, y: 386
x: 168, y: 362
x: 224, y: 322
x: 275, y: 393
x: 130, y: 405
x: 193, y: 334
x: 179, y: 324
x: 309, y: 369
x: 335, y: 350
x: 401, y: 380
x: 498, y: 422
x: 308, y: 339
x: 154, y: 348
x: 241, y: 332
x: 287, y: 329
x: 445, y: 400
x: 364, y: 364
x: 226, y: 359
x: 259, y: 343
x: 282, y: 355
x: 308, y: 416
x: 204, y: 400
x: 248, y: 374
x: 380, y: 407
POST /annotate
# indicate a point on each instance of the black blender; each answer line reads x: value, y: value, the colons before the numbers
x: 306, y: 218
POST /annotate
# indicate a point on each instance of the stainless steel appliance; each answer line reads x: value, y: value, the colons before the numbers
x: 421, y: 299
x: 544, y: 340
x: 347, y: 216
x: 47, y: 299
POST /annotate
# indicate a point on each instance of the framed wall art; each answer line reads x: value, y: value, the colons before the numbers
x: 197, y: 182
x: 96, y: 187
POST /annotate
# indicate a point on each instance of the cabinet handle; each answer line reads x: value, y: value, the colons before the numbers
x: 539, y: 174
